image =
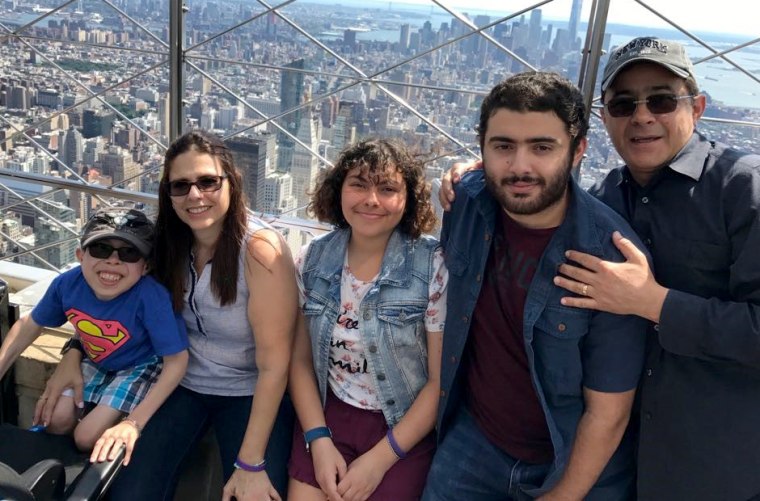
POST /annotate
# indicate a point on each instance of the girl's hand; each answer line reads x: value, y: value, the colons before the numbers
x: 329, y: 466
x: 250, y: 486
x: 365, y: 474
x: 108, y: 445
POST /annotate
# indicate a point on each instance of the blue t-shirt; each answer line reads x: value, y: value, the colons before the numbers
x: 118, y: 333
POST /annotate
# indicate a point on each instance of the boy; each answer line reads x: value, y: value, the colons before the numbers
x: 124, y: 324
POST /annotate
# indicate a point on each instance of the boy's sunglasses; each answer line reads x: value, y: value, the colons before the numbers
x: 658, y: 104
x: 204, y: 183
x: 101, y: 250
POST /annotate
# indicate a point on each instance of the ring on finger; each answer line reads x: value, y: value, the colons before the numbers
x: 584, y: 290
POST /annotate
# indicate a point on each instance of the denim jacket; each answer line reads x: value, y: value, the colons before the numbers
x: 567, y: 348
x: 392, y: 312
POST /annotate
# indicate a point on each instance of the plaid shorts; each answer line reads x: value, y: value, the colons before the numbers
x: 123, y: 390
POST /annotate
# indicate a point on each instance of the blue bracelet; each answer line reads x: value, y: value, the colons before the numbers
x: 242, y: 465
x: 315, y: 433
x: 397, y: 450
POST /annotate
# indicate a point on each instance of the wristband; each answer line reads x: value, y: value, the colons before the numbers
x: 397, y: 450
x: 239, y: 464
x: 73, y: 343
x: 315, y: 433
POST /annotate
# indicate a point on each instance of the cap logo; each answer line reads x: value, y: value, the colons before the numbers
x: 641, y: 43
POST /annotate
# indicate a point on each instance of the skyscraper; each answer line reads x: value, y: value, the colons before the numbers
x: 572, y: 27
x: 291, y: 95
x: 252, y: 155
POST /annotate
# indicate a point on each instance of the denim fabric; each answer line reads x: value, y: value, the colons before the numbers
x: 468, y: 466
x: 567, y: 348
x: 392, y: 312
x: 177, y: 427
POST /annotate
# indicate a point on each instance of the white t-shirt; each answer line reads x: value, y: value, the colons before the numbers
x: 349, y: 378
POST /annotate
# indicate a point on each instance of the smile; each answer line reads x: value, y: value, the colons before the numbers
x: 109, y: 277
x: 198, y: 210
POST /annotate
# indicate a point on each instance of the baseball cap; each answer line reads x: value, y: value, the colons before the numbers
x: 670, y: 55
x: 129, y: 225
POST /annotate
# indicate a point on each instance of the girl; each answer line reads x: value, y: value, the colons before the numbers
x: 366, y: 363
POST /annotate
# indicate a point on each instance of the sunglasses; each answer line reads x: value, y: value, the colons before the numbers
x: 204, y: 184
x: 102, y: 250
x: 658, y: 104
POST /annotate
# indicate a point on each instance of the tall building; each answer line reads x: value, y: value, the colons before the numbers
x: 403, y: 42
x: 72, y: 148
x: 291, y: 96
x: 572, y: 27
x: 253, y: 156
x: 47, y: 232
x: 305, y: 165
x: 97, y: 123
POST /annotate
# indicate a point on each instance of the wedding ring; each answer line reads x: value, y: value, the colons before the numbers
x: 584, y: 290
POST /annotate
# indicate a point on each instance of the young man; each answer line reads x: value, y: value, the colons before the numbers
x: 535, y: 396
x: 696, y: 205
x: 123, y: 322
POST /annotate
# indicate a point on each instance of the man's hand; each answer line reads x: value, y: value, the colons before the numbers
x: 453, y: 176
x: 250, y: 486
x: 68, y: 374
x: 626, y: 288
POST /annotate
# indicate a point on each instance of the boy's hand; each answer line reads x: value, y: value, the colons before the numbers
x: 108, y: 445
x: 68, y: 374
x: 452, y: 177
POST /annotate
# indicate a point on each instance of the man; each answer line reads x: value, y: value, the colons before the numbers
x: 696, y: 204
x: 535, y: 396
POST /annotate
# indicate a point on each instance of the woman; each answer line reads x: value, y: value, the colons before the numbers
x: 232, y: 277
x: 365, y: 371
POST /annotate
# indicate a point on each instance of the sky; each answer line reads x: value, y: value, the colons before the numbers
x: 731, y: 16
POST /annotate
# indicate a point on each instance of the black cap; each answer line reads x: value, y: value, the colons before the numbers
x: 670, y: 55
x: 130, y: 225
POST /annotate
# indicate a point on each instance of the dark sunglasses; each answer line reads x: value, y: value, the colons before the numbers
x: 204, y: 183
x: 102, y: 250
x: 658, y: 104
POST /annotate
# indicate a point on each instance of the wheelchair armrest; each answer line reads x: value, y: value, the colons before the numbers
x: 95, y: 479
x: 46, y: 479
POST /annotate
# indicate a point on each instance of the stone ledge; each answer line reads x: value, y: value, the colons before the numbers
x: 33, y: 368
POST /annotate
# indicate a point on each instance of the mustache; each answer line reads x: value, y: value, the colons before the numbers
x: 509, y: 180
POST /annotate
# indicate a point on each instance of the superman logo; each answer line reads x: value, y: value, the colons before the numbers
x: 100, y: 338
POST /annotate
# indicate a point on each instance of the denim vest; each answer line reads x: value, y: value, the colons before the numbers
x: 567, y: 348
x: 393, y: 315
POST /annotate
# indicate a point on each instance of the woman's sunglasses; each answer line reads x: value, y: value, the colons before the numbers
x: 101, y: 250
x: 204, y: 183
x: 658, y: 104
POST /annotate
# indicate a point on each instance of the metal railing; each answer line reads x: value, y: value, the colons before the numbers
x: 194, y: 47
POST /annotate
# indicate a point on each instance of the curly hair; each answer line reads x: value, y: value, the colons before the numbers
x: 538, y: 91
x: 378, y: 156
x: 174, y: 239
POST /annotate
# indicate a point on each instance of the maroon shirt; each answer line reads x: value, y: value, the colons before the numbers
x: 500, y: 393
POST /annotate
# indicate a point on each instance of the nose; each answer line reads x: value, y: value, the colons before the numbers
x: 642, y: 114
x: 194, y: 192
x: 372, y: 197
x: 114, y: 257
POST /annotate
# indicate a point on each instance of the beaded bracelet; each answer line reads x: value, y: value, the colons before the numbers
x: 242, y: 465
x: 397, y: 450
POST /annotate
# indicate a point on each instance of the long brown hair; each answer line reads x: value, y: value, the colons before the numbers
x: 174, y: 239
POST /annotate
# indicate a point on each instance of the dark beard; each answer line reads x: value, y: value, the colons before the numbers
x: 552, y: 191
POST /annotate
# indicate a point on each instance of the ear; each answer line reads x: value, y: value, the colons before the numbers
x: 698, y: 107
x: 579, y: 151
x: 79, y: 254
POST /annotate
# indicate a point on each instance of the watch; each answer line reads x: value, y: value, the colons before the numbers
x: 73, y: 343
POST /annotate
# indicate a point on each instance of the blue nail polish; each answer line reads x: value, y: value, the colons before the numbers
x: 37, y: 427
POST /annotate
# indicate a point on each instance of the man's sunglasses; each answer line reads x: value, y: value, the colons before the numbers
x: 658, y: 104
x: 204, y: 183
x: 101, y: 250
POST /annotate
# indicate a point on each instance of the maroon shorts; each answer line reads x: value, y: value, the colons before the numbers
x: 355, y: 431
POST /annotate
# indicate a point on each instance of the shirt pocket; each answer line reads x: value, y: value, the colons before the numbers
x: 557, y: 344
x: 405, y: 322
x: 456, y: 260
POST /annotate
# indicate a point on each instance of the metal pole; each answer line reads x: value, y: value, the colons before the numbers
x: 177, y: 11
x: 594, y: 51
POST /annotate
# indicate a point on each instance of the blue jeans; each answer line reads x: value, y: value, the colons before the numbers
x: 468, y: 466
x: 177, y: 427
